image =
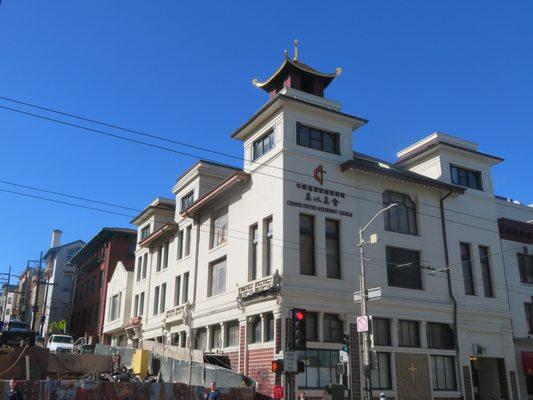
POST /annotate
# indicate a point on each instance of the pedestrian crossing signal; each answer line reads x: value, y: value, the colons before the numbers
x: 277, y: 365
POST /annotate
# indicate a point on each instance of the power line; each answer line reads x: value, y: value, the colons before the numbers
x: 65, y: 202
x: 196, y: 156
x: 69, y: 195
x: 181, y: 143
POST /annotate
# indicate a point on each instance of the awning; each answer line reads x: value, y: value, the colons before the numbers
x: 527, y: 362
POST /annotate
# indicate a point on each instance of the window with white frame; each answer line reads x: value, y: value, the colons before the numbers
x: 145, y: 232
x: 217, y: 275
x: 401, y: 218
x: 381, y: 375
x: 320, y: 369
x: 188, y: 231
x: 443, y: 372
x: 219, y: 231
x: 186, y: 201
x: 114, y: 311
x: 333, y: 328
x: 268, y: 249
x: 232, y: 333
x: 254, y: 256
x: 263, y: 145
x: 163, y: 298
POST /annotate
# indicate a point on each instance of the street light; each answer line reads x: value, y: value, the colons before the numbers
x: 366, y: 346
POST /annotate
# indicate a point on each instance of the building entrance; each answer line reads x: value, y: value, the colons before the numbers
x: 486, y: 378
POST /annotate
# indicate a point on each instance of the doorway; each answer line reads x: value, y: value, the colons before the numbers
x: 485, y: 378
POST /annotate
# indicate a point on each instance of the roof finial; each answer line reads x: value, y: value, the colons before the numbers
x: 286, y: 53
x: 295, y: 49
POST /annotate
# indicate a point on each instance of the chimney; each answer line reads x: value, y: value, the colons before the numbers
x: 56, y: 238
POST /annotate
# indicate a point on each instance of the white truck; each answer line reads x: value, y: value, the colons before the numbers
x: 60, y: 343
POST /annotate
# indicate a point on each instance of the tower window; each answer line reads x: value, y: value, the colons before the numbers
x: 317, y: 139
x: 263, y: 145
x: 466, y: 177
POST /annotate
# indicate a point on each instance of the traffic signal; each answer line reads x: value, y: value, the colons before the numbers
x: 301, y: 366
x: 277, y: 365
x: 346, y: 342
x: 299, y: 337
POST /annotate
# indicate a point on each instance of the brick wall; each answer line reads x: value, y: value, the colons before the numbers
x: 502, y: 376
x: 514, y: 385
x: 278, y: 346
x: 355, y: 365
x: 242, y: 347
x: 233, y: 359
x: 467, y: 383
x: 260, y: 369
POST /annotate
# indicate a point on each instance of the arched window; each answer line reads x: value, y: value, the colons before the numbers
x: 401, y: 218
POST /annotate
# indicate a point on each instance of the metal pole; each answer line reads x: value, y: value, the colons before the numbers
x: 6, y: 294
x: 366, y: 346
x: 35, y: 301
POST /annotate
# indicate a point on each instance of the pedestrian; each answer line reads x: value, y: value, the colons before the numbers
x: 213, y: 393
x: 301, y: 396
x: 14, y: 393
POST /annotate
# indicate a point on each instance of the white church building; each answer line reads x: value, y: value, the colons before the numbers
x: 221, y: 264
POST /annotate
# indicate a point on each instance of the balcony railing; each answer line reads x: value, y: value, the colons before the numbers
x: 176, y: 314
x: 260, y: 287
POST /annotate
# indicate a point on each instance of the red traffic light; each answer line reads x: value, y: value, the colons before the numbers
x: 299, y: 315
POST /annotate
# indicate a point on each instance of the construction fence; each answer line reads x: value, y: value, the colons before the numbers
x: 98, y: 390
x: 179, y: 371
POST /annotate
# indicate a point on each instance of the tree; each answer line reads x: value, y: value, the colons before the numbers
x: 58, y: 326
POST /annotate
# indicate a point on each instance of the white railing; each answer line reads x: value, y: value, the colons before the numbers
x: 177, y: 313
x: 259, y: 286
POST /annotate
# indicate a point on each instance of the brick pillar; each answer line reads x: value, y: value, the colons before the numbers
x: 242, y: 346
x: 290, y: 390
x: 469, y: 394
x: 514, y: 385
x: 355, y: 364
x: 277, y: 324
x: 502, y: 375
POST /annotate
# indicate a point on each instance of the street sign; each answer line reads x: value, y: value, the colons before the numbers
x: 291, y: 361
x: 362, y: 324
x: 372, y: 294
x: 343, y: 356
x: 277, y: 392
x: 278, y: 356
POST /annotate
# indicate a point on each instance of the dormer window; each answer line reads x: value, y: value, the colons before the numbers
x: 187, y: 200
x: 317, y: 139
x: 145, y: 232
x: 263, y: 145
x: 466, y: 177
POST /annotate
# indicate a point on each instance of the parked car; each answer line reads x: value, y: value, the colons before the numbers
x: 82, y: 347
x: 16, y: 333
x: 60, y: 343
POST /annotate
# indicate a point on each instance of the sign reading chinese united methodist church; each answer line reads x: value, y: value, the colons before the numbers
x: 319, y: 198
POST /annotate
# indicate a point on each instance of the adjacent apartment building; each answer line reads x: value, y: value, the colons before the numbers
x: 9, y: 302
x: 95, y: 264
x: 58, y: 282
x: 220, y: 266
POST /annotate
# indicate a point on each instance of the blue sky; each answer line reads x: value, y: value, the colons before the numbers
x: 183, y: 70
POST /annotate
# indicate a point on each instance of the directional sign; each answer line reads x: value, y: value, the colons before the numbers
x: 362, y: 324
x: 277, y: 392
x: 278, y: 356
x: 343, y: 356
x: 291, y: 361
x: 372, y: 294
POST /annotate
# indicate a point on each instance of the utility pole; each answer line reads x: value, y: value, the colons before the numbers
x: 363, y: 291
x: 35, y: 301
x: 7, y: 293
